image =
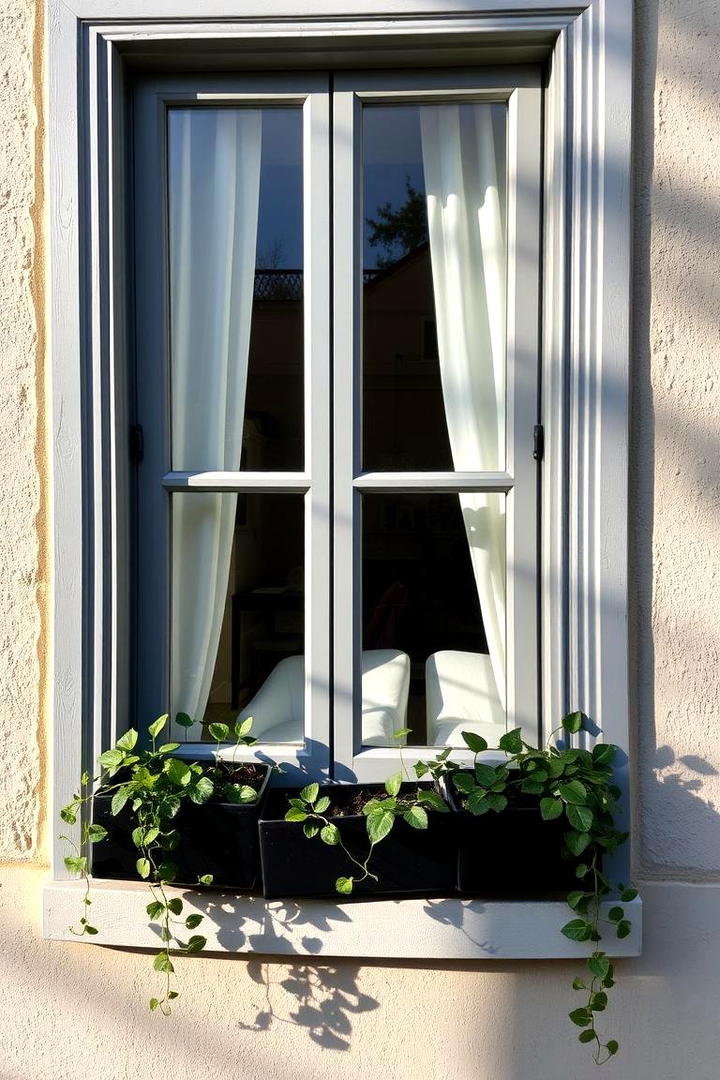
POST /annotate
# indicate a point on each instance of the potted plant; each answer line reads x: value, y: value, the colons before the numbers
x: 168, y: 821
x: 547, y: 818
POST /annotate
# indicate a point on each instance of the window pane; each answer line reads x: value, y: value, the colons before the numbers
x: 237, y: 620
x: 434, y: 287
x: 236, y: 288
x: 433, y: 614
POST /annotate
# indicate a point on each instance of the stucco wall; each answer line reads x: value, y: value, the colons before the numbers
x: 73, y: 1010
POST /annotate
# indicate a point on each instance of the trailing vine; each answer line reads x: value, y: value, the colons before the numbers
x: 153, y: 785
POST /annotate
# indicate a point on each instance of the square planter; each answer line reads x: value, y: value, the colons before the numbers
x: 407, y: 862
x: 511, y: 855
x: 217, y: 838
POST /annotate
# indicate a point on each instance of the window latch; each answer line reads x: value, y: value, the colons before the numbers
x: 137, y: 444
x: 538, y: 442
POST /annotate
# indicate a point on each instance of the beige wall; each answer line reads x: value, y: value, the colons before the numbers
x: 72, y: 1010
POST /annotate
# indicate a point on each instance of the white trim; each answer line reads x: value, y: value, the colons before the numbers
x: 432, y: 929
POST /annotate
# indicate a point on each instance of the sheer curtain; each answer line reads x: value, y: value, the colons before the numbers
x: 467, y: 250
x: 214, y: 193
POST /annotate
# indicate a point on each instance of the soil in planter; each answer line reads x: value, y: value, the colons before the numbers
x: 407, y: 862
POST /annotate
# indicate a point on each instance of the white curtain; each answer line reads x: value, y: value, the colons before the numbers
x: 214, y: 192
x: 467, y: 250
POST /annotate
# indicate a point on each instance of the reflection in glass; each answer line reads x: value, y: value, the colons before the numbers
x: 434, y: 287
x: 238, y: 626
x: 236, y: 288
x: 433, y: 587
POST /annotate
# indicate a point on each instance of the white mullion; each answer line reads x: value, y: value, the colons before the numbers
x: 235, y: 481
x: 434, y: 482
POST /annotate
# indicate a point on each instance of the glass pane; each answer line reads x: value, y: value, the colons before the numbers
x: 237, y: 620
x: 236, y: 288
x: 434, y: 287
x: 433, y: 612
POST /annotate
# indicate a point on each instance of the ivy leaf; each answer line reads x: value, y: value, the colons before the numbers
x: 550, y: 808
x: 577, y: 841
x: 485, y: 775
x: 96, y: 833
x: 577, y: 930
x: 379, y: 823
x: 626, y: 895
x: 615, y: 914
x: 167, y: 871
x: 196, y: 943
x: 155, y: 909
x: 587, y: 1036
x: 474, y: 742
x: 162, y: 962
x: 294, y: 814
x: 496, y: 802
x: 322, y: 805
x: 477, y: 802
x: 192, y: 921
x: 532, y: 787
x: 205, y: 879
x: 168, y: 747
x: 402, y: 733
x: 344, y: 885
x: 573, y: 722
x: 153, y: 1004
x: 598, y: 1002
x: 434, y: 801
x: 156, y: 727
x: 612, y: 1046
x: 599, y: 965
x: 463, y: 781
x: 128, y: 740
x: 604, y: 753
x: 582, y: 870
x: 143, y: 867
x: 581, y: 1017
x: 330, y: 834
x: 201, y: 790
x: 416, y: 817
x: 175, y: 905
x: 178, y: 772
x: 310, y: 793
x: 184, y: 720
x: 580, y: 817
x: 511, y: 742
x: 239, y: 794
x: 76, y: 864
x: 576, y: 898
x: 421, y: 769
x: 573, y: 792
x: 578, y: 984
x: 623, y: 928
x: 393, y: 783
x: 310, y: 829
x: 219, y: 732
x: 111, y: 759
x: 243, y: 727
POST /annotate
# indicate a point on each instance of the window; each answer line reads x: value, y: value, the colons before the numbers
x: 569, y: 600
x: 294, y: 234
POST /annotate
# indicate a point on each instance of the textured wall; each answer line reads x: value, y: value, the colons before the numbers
x: 70, y: 1011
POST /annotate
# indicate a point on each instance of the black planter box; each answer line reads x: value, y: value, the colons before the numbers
x: 215, y: 838
x: 407, y: 862
x: 511, y: 855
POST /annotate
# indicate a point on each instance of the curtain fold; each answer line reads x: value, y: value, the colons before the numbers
x: 214, y: 195
x: 467, y: 250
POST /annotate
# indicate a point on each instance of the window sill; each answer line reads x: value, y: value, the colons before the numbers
x: 449, y: 929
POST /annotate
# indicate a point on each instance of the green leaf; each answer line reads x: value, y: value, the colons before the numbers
x: 416, y: 817
x: 167, y: 871
x: 243, y: 727
x: 485, y: 775
x: 402, y: 733
x: 205, y: 879
x: 615, y: 914
x: 532, y: 787
x: 239, y: 793
x: 143, y: 867
x: 175, y: 905
x: 128, y: 740
x: 581, y: 1017
x: 119, y: 799
x: 111, y: 759
x: 555, y: 767
x: 310, y: 793
x: 612, y: 1046
x: 496, y: 802
x: 69, y: 814
x: 90, y: 929
x: 184, y: 720
x: 155, y: 908
x: 577, y: 842
x: 196, y: 943
x: 330, y: 834
x: 178, y: 772
x: 156, y: 727
x: 219, y: 732
x: 463, y: 781
x: 581, y: 870
x: 604, y: 753
x: 576, y: 898
x: 201, y: 790
x: 587, y: 1036
x: 153, y: 1004
x: 598, y: 1002
x: 434, y: 801
x: 192, y: 921
x: 550, y: 808
x: 379, y: 823
x: 393, y: 783
x: 295, y: 815
x: 477, y: 802
x: 577, y: 930
x: 96, y: 833
x: 626, y: 895
x: 76, y: 864
x: 168, y: 747
x: 162, y: 962
x: 322, y: 804
x: 310, y: 829
x: 599, y: 965
x: 138, y: 835
x: 511, y: 742
x: 573, y: 722
x: 623, y: 928
x: 370, y: 805
x: 421, y: 769
x: 580, y: 817
x: 344, y: 885
x: 474, y: 742
x: 573, y: 792
x: 578, y: 984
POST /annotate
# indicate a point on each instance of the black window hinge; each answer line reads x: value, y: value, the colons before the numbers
x: 137, y: 444
x: 538, y: 442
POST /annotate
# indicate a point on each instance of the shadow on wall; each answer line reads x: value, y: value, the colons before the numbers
x: 326, y: 999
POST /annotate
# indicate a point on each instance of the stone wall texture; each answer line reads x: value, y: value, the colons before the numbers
x: 70, y: 1011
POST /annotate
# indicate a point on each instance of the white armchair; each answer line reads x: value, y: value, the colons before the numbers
x: 461, y: 695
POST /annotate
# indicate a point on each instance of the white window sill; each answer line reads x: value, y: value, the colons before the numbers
x: 449, y: 929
